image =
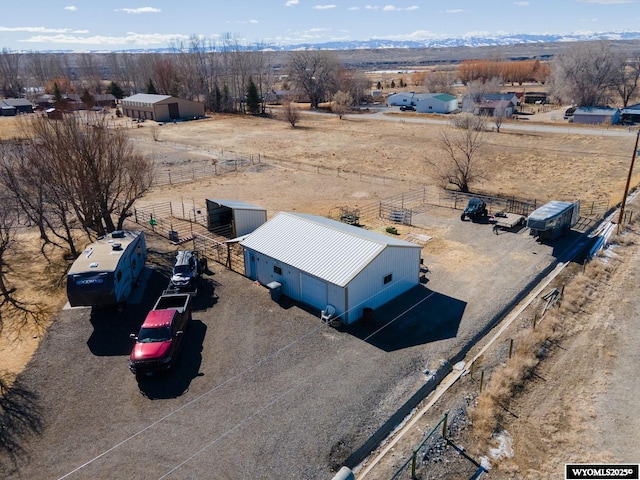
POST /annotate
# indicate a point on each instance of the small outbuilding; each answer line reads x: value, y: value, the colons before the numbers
x: 161, y: 108
x: 324, y: 263
x: 596, y: 115
x: 19, y: 105
x: 630, y: 114
x: 232, y: 218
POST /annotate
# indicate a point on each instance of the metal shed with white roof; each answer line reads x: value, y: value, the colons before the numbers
x: 321, y: 262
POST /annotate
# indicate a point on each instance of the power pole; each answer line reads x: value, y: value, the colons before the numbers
x: 626, y: 188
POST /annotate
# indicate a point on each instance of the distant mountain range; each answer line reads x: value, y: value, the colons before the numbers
x: 468, y: 41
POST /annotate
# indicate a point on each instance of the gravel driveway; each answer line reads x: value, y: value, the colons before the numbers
x: 262, y: 389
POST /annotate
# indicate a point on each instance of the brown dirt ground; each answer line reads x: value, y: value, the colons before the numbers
x: 526, y: 165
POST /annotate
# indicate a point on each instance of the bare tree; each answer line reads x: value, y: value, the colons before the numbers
x: 499, y: 114
x: 440, y: 81
x: 314, y: 72
x: 10, y: 81
x: 626, y: 77
x: 91, y: 168
x: 584, y: 73
x: 19, y: 311
x: 341, y: 103
x: 291, y: 112
x: 461, y: 165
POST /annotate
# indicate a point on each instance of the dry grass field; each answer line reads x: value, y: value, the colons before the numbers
x: 563, y: 166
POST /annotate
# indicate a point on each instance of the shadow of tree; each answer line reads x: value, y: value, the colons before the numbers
x: 20, y: 416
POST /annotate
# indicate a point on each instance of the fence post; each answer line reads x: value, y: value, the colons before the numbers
x: 481, y: 379
x: 413, y: 465
x: 169, y: 175
x: 510, y: 347
x: 444, y: 424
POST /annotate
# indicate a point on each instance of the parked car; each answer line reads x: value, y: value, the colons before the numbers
x: 568, y: 113
x: 407, y: 108
x: 476, y: 209
x: 187, y: 271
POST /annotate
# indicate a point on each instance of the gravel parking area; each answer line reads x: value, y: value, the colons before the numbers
x: 263, y: 389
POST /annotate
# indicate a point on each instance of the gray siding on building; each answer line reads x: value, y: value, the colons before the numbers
x: 246, y: 221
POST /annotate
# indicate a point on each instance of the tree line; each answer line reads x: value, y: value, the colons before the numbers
x: 228, y: 76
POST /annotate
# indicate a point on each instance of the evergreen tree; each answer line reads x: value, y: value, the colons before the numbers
x: 115, y: 90
x: 151, y: 88
x: 253, y: 99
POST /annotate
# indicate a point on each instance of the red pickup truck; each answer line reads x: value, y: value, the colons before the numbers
x: 161, y: 334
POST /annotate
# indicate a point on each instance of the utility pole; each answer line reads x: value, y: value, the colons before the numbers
x: 626, y: 188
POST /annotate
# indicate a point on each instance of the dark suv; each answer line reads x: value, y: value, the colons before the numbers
x: 408, y: 108
x: 188, y: 270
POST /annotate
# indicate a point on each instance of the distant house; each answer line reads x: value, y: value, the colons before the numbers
x: 436, y: 103
x: 161, y: 108
x: 44, y: 102
x: 105, y: 100
x: 631, y: 114
x: 489, y: 104
x: 399, y: 99
x: 18, y: 105
x: 7, y: 110
x: 596, y: 115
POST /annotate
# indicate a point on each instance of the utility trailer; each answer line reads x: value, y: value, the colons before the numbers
x: 553, y: 219
x: 507, y: 221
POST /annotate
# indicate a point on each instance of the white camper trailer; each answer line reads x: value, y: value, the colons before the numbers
x: 107, y: 270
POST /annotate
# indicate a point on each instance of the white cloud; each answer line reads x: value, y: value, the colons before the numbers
x: 521, y: 4
x: 71, y: 8
x: 323, y: 7
x: 290, y: 3
x: 41, y: 30
x: 607, y: 2
x: 130, y: 39
x: 371, y: 7
x: 457, y: 10
x: 242, y: 22
x: 393, y: 8
x: 139, y: 10
x: 353, y: 8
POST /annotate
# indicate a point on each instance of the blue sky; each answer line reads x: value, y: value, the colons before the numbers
x: 126, y: 24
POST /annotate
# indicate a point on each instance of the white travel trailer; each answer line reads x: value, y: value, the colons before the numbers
x: 107, y: 270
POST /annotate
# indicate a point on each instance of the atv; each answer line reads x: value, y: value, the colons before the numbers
x: 476, y: 209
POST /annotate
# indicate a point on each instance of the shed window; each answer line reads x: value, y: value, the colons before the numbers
x: 388, y: 278
x: 277, y: 270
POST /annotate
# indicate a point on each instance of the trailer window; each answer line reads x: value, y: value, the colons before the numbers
x: 388, y: 278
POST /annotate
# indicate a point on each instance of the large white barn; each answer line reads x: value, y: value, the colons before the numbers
x: 321, y: 262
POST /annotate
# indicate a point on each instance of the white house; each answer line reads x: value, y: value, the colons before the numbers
x: 436, y: 103
x: 399, y: 99
x: 321, y: 262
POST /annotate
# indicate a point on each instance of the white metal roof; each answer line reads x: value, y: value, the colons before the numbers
x: 330, y: 250
x: 146, y: 98
x: 235, y: 204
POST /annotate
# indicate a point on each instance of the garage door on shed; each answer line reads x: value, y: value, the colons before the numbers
x: 313, y: 291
